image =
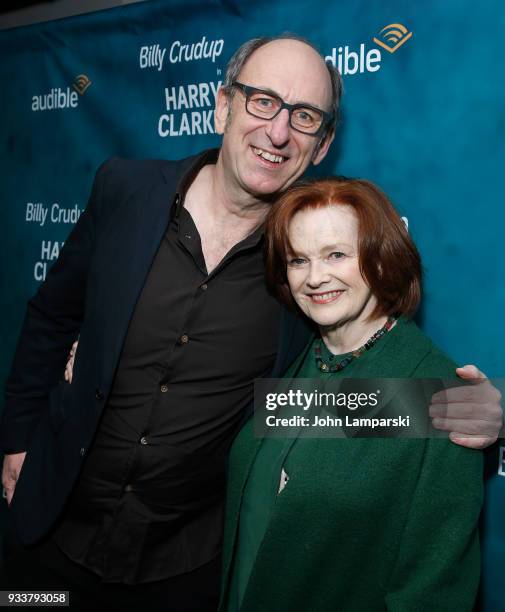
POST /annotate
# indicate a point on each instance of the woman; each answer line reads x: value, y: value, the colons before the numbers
x: 351, y: 524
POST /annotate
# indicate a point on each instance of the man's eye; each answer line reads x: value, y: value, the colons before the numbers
x: 304, y: 116
x: 264, y: 102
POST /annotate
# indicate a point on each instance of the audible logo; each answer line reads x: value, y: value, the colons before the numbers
x: 360, y: 60
x: 82, y: 83
x: 351, y: 62
x: 392, y: 37
x: 59, y: 98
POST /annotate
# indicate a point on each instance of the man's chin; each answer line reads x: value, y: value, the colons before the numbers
x: 269, y: 190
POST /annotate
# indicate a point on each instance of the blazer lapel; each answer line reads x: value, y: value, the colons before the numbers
x: 127, y: 251
x: 125, y: 256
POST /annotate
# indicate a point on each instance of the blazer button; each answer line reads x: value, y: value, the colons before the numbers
x: 98, y: 394
x: 82, y: 452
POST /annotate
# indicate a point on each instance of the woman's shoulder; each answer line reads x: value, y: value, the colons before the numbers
x: 436, y: 364
x: 432, y: 361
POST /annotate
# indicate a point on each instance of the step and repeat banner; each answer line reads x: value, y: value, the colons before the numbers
x: 423, y: 116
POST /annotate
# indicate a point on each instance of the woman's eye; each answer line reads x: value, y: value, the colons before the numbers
x: 336, y: 255
x: 296, y: 261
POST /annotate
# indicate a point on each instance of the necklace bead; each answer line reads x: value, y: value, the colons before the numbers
x: 337, y: 367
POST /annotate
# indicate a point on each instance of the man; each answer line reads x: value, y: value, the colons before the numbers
x: 122, y: 487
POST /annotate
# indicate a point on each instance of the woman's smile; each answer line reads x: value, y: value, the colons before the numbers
x: 326, y: 297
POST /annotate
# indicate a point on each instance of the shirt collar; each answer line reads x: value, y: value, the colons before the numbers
x: 207, y: 157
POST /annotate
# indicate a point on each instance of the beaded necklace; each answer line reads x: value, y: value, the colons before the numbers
x: 337, y: 367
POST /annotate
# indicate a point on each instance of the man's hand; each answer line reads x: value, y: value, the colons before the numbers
x: 472, y: 414
x: 69, y: 368
x: 10, y: 473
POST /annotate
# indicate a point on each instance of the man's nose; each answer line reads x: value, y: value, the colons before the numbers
x: 278, y: 129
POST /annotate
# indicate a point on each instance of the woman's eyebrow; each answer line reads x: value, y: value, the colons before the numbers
x: 336, y: 245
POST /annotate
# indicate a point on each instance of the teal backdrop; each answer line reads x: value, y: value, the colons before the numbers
x: 423, y: 116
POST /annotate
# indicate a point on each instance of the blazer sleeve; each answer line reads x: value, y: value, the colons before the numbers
x: 438, y: 564
x: 52, y: 321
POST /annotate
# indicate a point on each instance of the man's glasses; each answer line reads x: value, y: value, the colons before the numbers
x: 267, y: 105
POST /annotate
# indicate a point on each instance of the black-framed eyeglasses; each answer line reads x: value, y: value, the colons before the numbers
x: 267, y: 105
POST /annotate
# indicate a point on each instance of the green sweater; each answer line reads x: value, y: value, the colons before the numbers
x: 363, y: 524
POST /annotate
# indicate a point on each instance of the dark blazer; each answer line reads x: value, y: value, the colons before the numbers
x: 90, y: 292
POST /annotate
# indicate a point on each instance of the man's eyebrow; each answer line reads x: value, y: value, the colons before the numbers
x: 267, y: 90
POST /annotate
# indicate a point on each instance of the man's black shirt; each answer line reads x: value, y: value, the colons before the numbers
x: 149, y: 501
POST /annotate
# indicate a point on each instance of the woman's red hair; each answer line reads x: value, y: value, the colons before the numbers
x: 388, y: 258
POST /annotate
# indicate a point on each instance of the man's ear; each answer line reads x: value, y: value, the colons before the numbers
x: 221, y: 111
x: 322, y: 147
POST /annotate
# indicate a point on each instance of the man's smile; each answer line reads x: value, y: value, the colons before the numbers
x: 267, y: 155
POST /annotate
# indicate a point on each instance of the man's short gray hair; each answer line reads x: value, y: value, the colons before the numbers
x: 244, y: 52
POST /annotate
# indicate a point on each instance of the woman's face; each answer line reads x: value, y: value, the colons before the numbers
x: 323, y: 272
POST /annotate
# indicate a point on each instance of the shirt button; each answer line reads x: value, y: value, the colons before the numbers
x: 143, y: 440
x: 184, y: 339
x: 203, y: 287
x: 164, y: 388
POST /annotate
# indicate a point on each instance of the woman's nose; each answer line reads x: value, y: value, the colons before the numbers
x: 317, y: 274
